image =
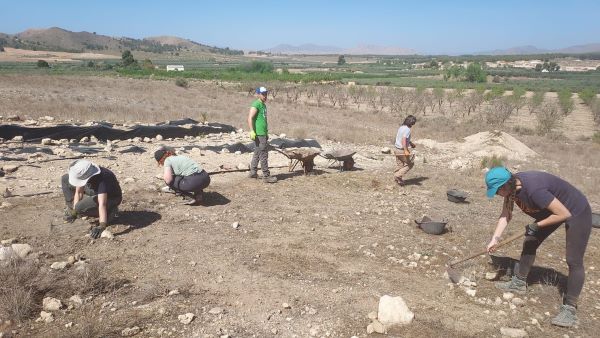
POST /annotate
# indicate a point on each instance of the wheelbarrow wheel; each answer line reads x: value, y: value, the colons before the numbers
x: 348, y: 164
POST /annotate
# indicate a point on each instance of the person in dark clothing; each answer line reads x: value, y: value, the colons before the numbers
x: 91, y: 190
x: 183, y: 175
x: 551, y: 201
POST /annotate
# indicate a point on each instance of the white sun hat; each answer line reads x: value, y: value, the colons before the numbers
x: 80, y: 172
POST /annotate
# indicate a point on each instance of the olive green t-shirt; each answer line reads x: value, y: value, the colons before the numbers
x: 260, y: 119
x: 182, y: 165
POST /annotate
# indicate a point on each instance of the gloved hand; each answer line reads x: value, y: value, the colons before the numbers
x: 252, y: 135
x: 532, y: 229
x: 97, y: 230
x: 70, y: 216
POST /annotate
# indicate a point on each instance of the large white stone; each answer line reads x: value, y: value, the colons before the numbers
x: 393, y: 311
x: 186, y: 318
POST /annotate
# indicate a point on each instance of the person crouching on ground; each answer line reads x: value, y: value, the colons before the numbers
x: 183, y: 175
x: 259, y: 133
x: 551, y: 201
x: 91, y: 190
x: 404, y: 161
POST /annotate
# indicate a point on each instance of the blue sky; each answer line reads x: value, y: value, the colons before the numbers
x: 436, y: 27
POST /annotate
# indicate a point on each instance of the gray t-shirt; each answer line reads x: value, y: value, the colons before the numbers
x: 403, y: 131
x: 182, y: 165
x: 538, y: 189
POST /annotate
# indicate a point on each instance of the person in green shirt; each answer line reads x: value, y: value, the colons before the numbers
x: 259, y: 133
x: 182, y: 175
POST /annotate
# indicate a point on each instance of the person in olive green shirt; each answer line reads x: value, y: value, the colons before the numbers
x: 259, y: 133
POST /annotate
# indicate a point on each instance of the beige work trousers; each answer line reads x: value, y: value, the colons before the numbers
x: 403, y: 164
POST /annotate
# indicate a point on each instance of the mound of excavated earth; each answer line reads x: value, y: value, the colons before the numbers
x: 460, y: 155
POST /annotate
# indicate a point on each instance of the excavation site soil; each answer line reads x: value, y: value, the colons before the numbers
x: 310, y: 255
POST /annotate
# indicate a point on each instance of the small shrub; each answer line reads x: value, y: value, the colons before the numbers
x: 548, y: 117
x: 181, y: 82
x: 204, y: 117
x: 492, y: 161
x: 91, y: 64
x: 42, y: 64
x: 566, y: 101
x: 523, y: 130
x: 587, y: 95
x: 595, y: 107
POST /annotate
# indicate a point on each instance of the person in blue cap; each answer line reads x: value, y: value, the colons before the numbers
x: 551, y: 201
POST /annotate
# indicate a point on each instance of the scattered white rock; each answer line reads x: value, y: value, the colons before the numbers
x: 159, y: 137
x: 130, y: 331
x: 18, y: 138
x: 286, y: 306
x: 517, y: 301
x: 6, y: 253
x: 508, y: 295
x: 243, y: 166
x: 51, y: 304
x: 107, y: 234
x: 46, y: 141
x: 174, y: 292
x: 8, y: 241
x: 69, y: 325
x: 186, y: 318
x: 393, y: 310
x: 76, y: 300
x: 215, y: 311
x: 513, y: 333
x: 471, y: 292
x: 491, y: 275
x: 9, y: 168
x: 372, y: 315
x: 46, y: 317
x: 386, y: 150
x: 59, y: 265
x: 235, y: 225
x: 22, y: 250
x: 84, y: 139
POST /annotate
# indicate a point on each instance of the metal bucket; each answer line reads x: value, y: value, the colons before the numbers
x: 456, y: 196
x: 432, y: 227
x: 595, y: 220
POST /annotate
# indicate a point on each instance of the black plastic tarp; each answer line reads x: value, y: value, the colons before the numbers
x: 102, y: 132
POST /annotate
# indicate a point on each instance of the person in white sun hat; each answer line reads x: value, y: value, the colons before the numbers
x: 91, y: 190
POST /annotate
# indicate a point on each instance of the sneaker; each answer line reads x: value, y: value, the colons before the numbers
x: 516, y: 285
x: 252, y: 175
x: 269, y: 179
x: 399, y: 181
x: 167, y: 190
x: 566, y: 317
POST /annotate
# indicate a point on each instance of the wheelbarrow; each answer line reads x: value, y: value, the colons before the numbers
x: 342, y: 158
x: 305, y: 156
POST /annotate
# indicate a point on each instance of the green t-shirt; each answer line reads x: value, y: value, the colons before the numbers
x: 182, y: 165
x: 260, y: 119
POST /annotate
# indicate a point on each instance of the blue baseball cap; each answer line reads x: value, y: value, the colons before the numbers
x: 495, y: 178
x: 261, y: 90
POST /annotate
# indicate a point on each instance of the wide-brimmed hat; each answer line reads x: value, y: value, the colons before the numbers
x: 496, y: 178
x: 80, y: 172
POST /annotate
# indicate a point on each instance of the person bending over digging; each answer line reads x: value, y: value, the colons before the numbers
x: 91, y: 190
x: 404, y: 161
x: 259, y: 133
x: 183, y: 175
x: 551, y: 201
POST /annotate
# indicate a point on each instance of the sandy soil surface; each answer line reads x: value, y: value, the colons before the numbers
x: 23, y: 55
x: 308, y: 256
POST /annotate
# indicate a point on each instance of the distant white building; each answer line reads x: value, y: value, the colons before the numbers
x: 178, y: 68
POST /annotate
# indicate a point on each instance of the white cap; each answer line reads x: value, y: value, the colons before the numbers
x: 80, y: 172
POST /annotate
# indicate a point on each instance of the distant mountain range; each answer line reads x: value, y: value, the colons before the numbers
x: 58, y: 39
x: 528, y: 50
x: 358, y: 50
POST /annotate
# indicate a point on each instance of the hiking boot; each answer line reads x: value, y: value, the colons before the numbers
x: 252, y: 174
x: 399, y: 181
x: 269, y: 179
x: 516, y: 285
x: 566, y: 317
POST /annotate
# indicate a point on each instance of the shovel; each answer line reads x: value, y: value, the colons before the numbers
x: 455, y: 275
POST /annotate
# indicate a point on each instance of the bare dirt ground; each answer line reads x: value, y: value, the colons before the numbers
x: 328, y: 245
x: 23, y: 55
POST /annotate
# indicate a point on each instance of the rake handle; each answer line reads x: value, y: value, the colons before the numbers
x: 503, y: 243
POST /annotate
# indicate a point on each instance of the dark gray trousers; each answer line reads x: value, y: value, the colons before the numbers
x: 578, y: 230
x: 192, y: 184
x: 88, y: 205
x: 261, y: 153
